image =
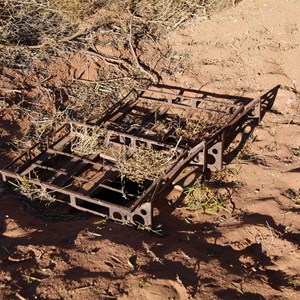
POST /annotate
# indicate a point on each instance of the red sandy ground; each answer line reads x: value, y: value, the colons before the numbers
x: 252, y: 253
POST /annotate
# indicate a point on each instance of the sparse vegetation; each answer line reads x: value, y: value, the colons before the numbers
x: 200, y: 196
x: 33, y: 191
x: 69, y: 60
x: 143, y: 164
x: 88, y: 141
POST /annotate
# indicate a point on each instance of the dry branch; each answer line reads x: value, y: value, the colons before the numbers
x: 154, y: 80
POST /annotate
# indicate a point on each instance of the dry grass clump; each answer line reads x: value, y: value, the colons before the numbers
x: 142, y: 164
x: 88, y: 141
x: 160, y: 15
x: 40, y: 29
x: 200, y: 126
x: 43, y: 124
x: 33, y: 191
x: 25, y: 26
x: 91, y: 99
x: 200, y: 196
x: 76, y: 9
x: 29, y: 23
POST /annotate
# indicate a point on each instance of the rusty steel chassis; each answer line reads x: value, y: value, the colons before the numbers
x: 207, y: 154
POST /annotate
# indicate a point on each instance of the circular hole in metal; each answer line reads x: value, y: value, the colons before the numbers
x: 210, y: 159
x: 247, y: 129
x: 117, y: 215
x: 143, y: 212
x: 139, y: 220
x: 252, y: 113
x: 231, y: 110
x: 125, y: 217
x: 215, y: 151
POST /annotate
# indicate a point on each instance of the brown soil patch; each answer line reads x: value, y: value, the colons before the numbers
x: 250, y: 253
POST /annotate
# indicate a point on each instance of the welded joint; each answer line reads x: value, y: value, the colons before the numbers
x: 215, y: 157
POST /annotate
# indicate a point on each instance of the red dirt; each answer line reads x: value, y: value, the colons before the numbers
x: 252, y: 253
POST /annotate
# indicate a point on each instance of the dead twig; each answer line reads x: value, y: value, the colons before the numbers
x: 6, y: 90
x: 154, y: 80
x: 119, y: 63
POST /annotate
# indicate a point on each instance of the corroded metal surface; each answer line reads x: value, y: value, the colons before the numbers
x: 195, y: 127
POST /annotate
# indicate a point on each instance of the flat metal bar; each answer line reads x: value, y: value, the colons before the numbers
x: 27, y: 167
x: 143, y: 138
x: 181, y: 97
x: 117, y: 190
x: 50, y: 150
x: 63, y: 141
x: 95, y: 186
x: 70, y: 193
x: 185, y: 106
x: 60, y: 172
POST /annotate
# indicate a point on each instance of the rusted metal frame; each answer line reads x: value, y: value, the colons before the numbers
x: 158, y: 183
x: 194, y: 100
x: 65, y: 191
x: 177, y: 168
x: 60, y: 172
x: 215, y: 142
x: 115, y: 107
x: 50, y: 150
x: 24, y: 153
x: 146, y: 117
x: 134, y: 138
x: 183, y: 106
x: 110, y: 175
x: 88, y: 161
